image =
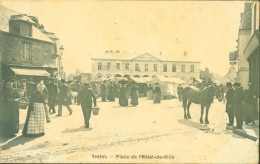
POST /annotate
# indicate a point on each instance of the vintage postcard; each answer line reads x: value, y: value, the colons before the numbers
x: 91, y: 81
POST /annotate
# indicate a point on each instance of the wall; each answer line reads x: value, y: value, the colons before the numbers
x: 12, y: 45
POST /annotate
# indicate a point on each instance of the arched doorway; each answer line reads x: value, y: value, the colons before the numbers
x: 145, y: 76
x: 136, y: 76
x: 126, y: 75
x: 98, y: 76
x: 118, y: 75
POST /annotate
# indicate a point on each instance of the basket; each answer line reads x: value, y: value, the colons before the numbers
x: 95, y: 110
x: 23, y: 103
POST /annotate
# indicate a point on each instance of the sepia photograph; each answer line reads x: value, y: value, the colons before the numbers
x: 141, y: 81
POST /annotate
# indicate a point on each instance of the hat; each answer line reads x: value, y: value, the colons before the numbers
x: 228, y: 84
x: 237, y: 84
x: 86, y: 84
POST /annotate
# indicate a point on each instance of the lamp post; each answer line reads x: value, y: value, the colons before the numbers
x: 60, y: 61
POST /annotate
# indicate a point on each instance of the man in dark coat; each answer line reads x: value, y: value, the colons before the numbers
x: 123, y: 97
x: 134, y: 95
x: 104, y: 92
x: 52, y: 95
x: 85, y: 99
x: 238, y: 104
x: 157, y: 94
x: 229, y: 104
x: 63, y: 97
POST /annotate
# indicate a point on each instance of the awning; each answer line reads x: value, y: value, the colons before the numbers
x: 30, y: 72
x: 252, y: 44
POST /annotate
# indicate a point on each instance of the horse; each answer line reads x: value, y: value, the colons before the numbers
x: 204, y: 97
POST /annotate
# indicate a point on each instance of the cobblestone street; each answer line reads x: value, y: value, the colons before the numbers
x: 146, y: 133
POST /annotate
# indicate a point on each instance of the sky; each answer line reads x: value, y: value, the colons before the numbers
x: 206, y: 30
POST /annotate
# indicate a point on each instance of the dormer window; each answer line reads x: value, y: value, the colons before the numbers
x: 20, y: 25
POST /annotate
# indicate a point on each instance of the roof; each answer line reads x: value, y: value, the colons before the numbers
x: 143, y: 56
x: 7, y: 14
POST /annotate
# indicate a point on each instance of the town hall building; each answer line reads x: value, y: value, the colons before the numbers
x: 144, y: 65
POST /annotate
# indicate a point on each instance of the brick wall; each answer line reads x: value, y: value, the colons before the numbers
x: 11, y: 47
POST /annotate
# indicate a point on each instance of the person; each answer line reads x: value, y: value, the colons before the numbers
x: 63, y: 97
x: 238, y: 104
x: 157, y: 94
x: 251, y: 110
x: 134, y: 96
x: 52, y: 95
x: 229, y: 104
x: 111, y: 93
x: 103, y: 92
x: 45, y: 95
x: 179, y: 92
x: 150, y: 92
x: 85, y: 99
x: 34, y: 123
x: 9, y: 125
x: 30, y: 88
x: 123, y: 98
x: 78, y: 88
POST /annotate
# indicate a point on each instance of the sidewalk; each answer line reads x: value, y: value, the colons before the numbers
x: 250, y: 132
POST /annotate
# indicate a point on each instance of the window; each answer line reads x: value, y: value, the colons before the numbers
x: 182, y: 68
x: 254, y: 20
x: 25, y: 29
x: 26, y: 53
x: 117, y: 65
x: 155, y: 67
x: 137, y: 67
x: 146, y: 67
x: 127, y: 66
x: 108, y: 66
x: 99, y: 66
x: 173, y: 68
x: 165, y: 68
x: 192, y: 68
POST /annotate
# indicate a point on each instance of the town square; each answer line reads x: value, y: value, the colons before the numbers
x: 129, y: 81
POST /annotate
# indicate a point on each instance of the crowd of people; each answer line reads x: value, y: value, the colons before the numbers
x: 45, y: 95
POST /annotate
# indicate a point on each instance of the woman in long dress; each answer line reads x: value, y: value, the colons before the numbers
x: 123, y: 99
x: 157, y: 94
x: 134, y: 96
x: 9, y: 116
x: 150, y: 92
x: 34, y: 124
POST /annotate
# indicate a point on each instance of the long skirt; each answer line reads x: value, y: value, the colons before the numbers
x: 34, y: 124
x: 157, y: 98
x: 9, y: 119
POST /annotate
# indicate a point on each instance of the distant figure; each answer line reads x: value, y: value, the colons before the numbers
x: 103, y: 92
x: 111, y: 93
x: 123, y: 97
x: 85, y: 99
x: 157, y: 94
x: 134, y: 96
x: 9, y: 116
x: 229, y: 104
x: 34, y: 124
x: 179, y: 92
x: 63, y: 97
x: 251, y: 112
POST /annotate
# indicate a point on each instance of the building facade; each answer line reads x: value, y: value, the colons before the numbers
x: 144, y: 65
x: 26, y: 49
x: 251, y: 51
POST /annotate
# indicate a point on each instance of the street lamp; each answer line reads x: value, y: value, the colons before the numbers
x: 61, y: 50
x: 60, y: 61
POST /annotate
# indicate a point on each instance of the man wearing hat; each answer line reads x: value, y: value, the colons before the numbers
x: 85, y: 99
x: 63, y: 97
x: 229, y: 104
x: 52, y: 95
x: 238, y: 103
